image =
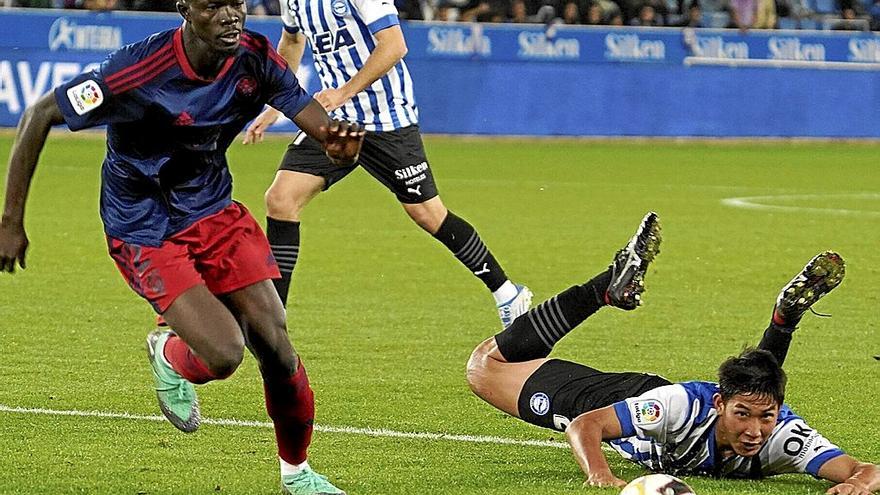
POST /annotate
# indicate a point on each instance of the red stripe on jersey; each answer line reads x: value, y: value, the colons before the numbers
x: 257, y: 45
x: 139, y: 66
x: 248, y: 45
x: 148, y: 71
x: 187, y: 69
x: 278, y: 59
x: 147, y: 77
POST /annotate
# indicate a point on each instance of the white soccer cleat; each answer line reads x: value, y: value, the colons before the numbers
x: 513, y: 308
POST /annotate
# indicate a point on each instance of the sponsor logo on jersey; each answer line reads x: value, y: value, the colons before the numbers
x: 329, y: 42
x: 66, y: 34
x: 647, y: 412
x: 411, y: 171
x: 340, y: 7
x: 85, y: 96
x: 540, y: 403
x: 799, y: 441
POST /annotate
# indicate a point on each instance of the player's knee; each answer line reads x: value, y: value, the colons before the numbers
x: 225, y: 360
x: 426, y: 217
x: 478, y: 370
x: 284, y: 203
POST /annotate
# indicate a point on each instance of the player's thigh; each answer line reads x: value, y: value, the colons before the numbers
x: 305, y: 155
x: 208, y: 328
x: 397, y: 159
x: 559, y: 391
x: 260, y: 309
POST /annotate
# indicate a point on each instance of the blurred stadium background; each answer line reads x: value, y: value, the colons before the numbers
x: 386, y: 350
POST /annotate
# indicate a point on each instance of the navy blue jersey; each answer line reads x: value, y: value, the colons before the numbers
x: 168, y: 129
x: 672, y: 429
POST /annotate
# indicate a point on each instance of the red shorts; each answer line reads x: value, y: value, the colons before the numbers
x: 225, y: 251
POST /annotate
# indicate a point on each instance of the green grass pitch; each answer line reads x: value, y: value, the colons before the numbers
x: 385, y: 318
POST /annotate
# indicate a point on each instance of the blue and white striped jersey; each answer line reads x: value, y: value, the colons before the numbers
x: 672, y: 429
x: 341, y: 34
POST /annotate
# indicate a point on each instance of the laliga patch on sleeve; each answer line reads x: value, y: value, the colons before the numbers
x: 646, y: 412
x: 85, y: 97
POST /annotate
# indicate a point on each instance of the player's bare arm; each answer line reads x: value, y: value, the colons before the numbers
x: 390, y: 48
x: 852, y: 477
x: 341, y: 140
x: 585, y: 434
x: 30, y: 138
x: 291, y: 47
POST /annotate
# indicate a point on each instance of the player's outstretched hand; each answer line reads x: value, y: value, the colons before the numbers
x: 13, y: 245
x: 851, y: 488
x: 255, y: 131
x: 343, y: 141
x: 605, y: 479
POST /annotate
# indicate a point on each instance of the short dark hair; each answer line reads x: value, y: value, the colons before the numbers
x: 754, y: 372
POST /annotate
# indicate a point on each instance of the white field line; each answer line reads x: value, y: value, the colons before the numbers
x: 349, y: 430
x: 757, y: 203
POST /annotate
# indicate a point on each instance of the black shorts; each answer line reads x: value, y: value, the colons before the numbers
x: 559, y: 391
x: 397, y: 158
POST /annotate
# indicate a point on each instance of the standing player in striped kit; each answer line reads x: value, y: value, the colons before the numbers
x: 358, y: 48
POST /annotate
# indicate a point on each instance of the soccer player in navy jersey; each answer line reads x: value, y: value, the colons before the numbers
x: 358, y: 48
x: 172, y: 104
x: 737, y: 428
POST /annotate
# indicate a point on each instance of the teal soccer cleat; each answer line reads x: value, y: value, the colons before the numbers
x: 308, y: 482
x: 177, y: 397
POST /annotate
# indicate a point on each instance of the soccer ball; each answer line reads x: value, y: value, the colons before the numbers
x: 657, y: 484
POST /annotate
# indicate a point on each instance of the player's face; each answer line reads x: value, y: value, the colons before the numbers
x: 745, y: 422
x: 218, y: 23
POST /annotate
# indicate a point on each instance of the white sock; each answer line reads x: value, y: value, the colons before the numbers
x: 505, y: 293
x: 288, y: 469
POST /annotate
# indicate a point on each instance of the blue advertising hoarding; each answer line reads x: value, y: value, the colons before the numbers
x: 540, y: 80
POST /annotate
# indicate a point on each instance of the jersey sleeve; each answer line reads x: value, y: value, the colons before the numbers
x: 88, y: 100
x: 654, y: 413
x: 285, y: 93
x: 287, y: 18
x: 376, y: 14
x: 794, y: 447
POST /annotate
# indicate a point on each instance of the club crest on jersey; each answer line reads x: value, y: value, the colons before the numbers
x: 340, y: 7
x: 246, y: 87
x: 85, y: 97
x: 540, y: 403
x: 647, y: 412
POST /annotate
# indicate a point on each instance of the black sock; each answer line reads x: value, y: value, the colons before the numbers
x: 776, y: 339
x: 460, y: 237
x: 533, y: 334
x: 284, y: 241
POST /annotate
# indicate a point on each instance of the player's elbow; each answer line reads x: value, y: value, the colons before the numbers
x: 42, y: 115
x: 582, y: 428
